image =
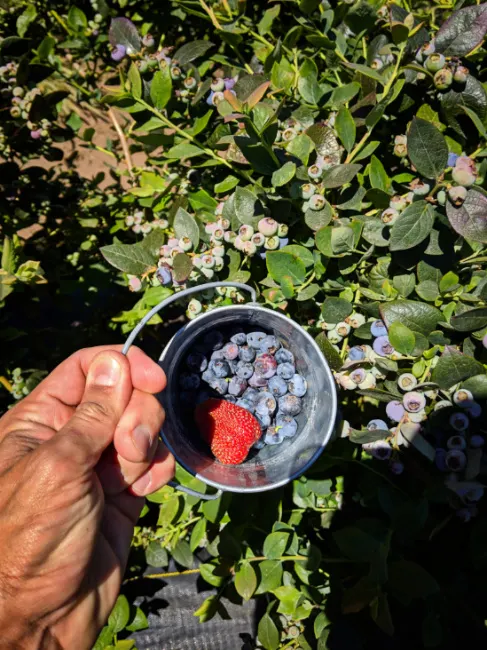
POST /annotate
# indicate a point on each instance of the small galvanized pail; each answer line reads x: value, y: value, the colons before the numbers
x: 272, y: 466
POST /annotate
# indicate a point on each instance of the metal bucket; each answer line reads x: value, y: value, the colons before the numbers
x: 272, y: 466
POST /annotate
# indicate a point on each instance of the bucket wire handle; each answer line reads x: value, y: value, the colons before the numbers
x: 164, y: 303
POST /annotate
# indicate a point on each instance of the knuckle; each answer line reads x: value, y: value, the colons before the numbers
x: 92, y: 411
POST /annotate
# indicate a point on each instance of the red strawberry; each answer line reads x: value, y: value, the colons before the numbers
x: 229, y: 429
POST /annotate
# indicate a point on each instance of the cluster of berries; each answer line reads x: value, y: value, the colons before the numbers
x: 217, y: 88
x: 208, y: 260
x: 446, y: 71
x: 138, y: 224
x: 336, y: 332
x: 19, y: 387
x: 253, y: 371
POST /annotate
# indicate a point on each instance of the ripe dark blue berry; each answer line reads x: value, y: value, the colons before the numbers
x: 290, y: 405
x: 244, y: 370
x: 297, y: 385
x: 286, y: 370
x: 230, y: 351
x: 236, y: 386
x: 287, y: 425
x: 214, y: 340
x: 240, y: 338
x: 219, y: 367
x: 246, y: 353
x: 254, y: 339
x: 269, y: 344
x: 277, y: 386
x: 284, y: 356
x: 265, y: 403
x: 265, y: 366
x: 197, y: 362
x: 189, y: 381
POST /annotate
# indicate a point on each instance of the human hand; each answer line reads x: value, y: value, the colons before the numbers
x: 76, y: 457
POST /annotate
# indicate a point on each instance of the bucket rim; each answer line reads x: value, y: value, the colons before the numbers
x: 333, y: 390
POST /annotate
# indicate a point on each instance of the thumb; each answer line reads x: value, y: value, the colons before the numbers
x: 92, y: 427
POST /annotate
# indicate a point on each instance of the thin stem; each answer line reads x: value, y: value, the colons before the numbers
x: 307, y: 283
x: 123, y: 141
x: 60, y: 20
x: 211, y: 14
x: 358, y: 146
x: 388, y: 85
x: 6, y: 384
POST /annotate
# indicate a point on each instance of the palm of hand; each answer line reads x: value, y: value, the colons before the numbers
x: 65, y: 514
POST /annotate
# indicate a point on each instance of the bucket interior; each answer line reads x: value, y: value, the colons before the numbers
x: 273, y: 465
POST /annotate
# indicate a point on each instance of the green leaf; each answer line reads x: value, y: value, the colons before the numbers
x: 344, y: 93
x: 135, y: 81
x: 340, y: 175
x: 463, y: 31
x: 427, y: 148
x: 345, y: 128
x: 270, y: 576
x: 401, y: 338
x: 454, y: 366
x: 281, y: 264
x: 302, y: 253
x: 357, y: 544
x: 477, y: 385
x: 275, y: 544
x: 227, y: 184
x: 161, y: 88
x: 156, y: 555
x: 191, y: 51
x: 265, y: 24
x: 25, y: 19
x: 335, y: 310
x: 413, y: 226
x: 129, y: 258
x: 470, y: 320
x: 317, y: 219
x: 212, y: 574
x: 201, y: 200
x: 185, y: 226
x: 448, y: 282
x: 182, y: 554
x: 246, y: 581
x: 120, y: 615
x: 284, y: 174
x: 124, y: 32
x: 182, y: 267
x: 247, y: 206
x: 329, y: 352
x: 138, y: 622
x: 360, y: 437
x: 77, y: 19
x: 378, y: 175
x: 282, y: 75
x: 409, y: 580
x: 325, y: 142
x: 267, y: 633
x: 184, y: 150
x: 417, y: 316
x: 197, y: 534
x: 308, y: 85
x: 301, y: 147
x: 207, y: 609
x: 469, y: 219
x: 368, y: 72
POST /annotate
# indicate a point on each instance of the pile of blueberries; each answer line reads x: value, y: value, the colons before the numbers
x: 252, y: 370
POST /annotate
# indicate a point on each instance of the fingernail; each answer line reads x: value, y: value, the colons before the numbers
x: 104, y: 371
x: 142, y: 484
x: 142, y: 438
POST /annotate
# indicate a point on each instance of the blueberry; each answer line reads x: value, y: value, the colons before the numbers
x: 251, y: 394
x: 219, y: 367
x: 230, y: 351
x: 244, y: 370
x: 220, y: 385
x: 208, y: 376
x: 287, y: 425
x: 269, y: 344
x: 246, y: 353
x: 356, y: 353
x: 297, y: 385
x: 277, y: 386
x: 240, y: 338
x: 254, y: 339
x: 232, y: 363
x: 395, y: 410
x: 197, y: 362
x: 286, y: 370
x: 273, y: 436
x: 284, y: 356
x: 264, y: 419
x: 378, y: 328
x: 265, y: 403
x: 189, y: 381
x: 236, y: 386
x: 290, y: 405
x: 118, y: 52
x: 257, y: 381
x: 214, y: 340
x: 217, y: 354
x: 382, y: 346
x: 164, y: 275
x: 230, y: 398
x: 245, y: 404
x: 265, y: 366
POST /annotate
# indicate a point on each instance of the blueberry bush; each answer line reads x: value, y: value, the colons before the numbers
x: 334, y: 156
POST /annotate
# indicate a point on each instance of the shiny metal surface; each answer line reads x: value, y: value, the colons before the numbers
x: 271, y: 466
